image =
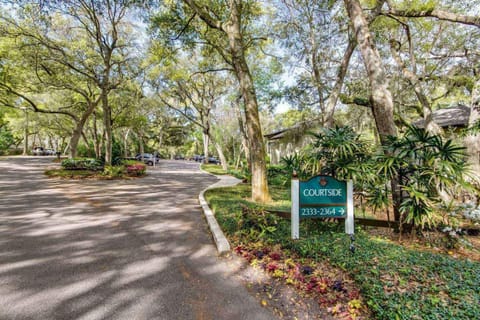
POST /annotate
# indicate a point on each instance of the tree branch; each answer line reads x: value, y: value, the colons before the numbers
x: 205, y: 15
x: 434, y: 13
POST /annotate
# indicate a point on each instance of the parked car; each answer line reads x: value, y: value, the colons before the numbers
x: 148, y: 158
x: 210, y: 159
x: 50, y: 152
x: 213, y: 160
x: 38, y: 151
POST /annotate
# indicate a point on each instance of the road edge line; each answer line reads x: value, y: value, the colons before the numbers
x: 223, y: 246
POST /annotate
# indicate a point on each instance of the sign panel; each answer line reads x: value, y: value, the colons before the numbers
x: 322, y: 197
x: 323, y: 212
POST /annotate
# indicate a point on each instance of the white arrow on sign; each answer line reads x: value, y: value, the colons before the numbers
x: 341, y: 210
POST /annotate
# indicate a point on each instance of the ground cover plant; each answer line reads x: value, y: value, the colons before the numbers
x: 87, y: 168
x: 213, y: 169
x: 392, y: 281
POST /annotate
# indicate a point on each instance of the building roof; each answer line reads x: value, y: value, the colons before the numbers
x: 301, y: 126
x: 456, y: 116
x: 277, y: 134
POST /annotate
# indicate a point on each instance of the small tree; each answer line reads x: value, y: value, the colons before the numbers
x: 341, y: 152
x: 429, y: 170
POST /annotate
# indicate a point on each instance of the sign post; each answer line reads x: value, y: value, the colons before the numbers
x: 322, y: 197
x: 295, y: 218
x: 349, y: 220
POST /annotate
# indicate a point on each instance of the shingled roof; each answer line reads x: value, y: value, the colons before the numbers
x: 456, y: 116
x: 297, y: 128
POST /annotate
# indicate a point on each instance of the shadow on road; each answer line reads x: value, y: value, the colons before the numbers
x: 129, y: 249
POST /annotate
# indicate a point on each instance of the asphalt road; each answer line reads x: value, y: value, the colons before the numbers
x: 122, y: 249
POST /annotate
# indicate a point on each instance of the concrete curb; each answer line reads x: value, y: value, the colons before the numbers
x: 223, y: 246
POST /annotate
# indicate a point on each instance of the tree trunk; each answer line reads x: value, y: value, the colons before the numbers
x: 337, y: 88
x: 236, y: 52
x: 160, y: 139
x: 125, y: 144
x: 472, y: 141
x: 221, y: 155
x: 206, y: 143
x: 75, y: 138
x: 96, y: 141
x: 107, y: 122
x: 430, y: 125
x: 381, y: 97
x: 25, y: 133
x: 241, y: 125
x: 260, y: 191
x: 239, y: 157
x: 77, y: 131
x: 142, y: 148
x: 317, y: 76
x: 382, y: 102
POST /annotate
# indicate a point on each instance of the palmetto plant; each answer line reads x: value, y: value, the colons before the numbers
x: 304, y: 163
x: 428, y: 169
x: 342, y: 153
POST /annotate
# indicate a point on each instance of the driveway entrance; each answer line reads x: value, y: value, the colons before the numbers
x: 121, y: 249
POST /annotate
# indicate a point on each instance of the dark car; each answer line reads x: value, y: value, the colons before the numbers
x: 213, y: 160
x: 50, y: 152
x: 38, y: 151
x: 148, y: 158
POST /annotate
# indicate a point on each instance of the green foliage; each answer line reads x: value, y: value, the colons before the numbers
x: 6, y: 138
x: 305, y: 164
x: 396, y: 283
x: 114, y: 171
x: 256, y: 225
x: 425, y: 166
x: 82, y: 164
x: 85, y: 151
x: 243, y: 173
x: 341, y: 152
x: 414, y: 6
x: 92, y: 168
x: 474, y: 129
x: 71, y: 174
x: 213, y: 169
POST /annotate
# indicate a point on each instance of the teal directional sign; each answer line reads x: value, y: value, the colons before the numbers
x: 322, y: 197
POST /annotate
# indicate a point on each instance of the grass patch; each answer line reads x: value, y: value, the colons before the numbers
x: 72, y: 174
x: 395, y: 282
x: 213, y: 169
x: 124, y: 171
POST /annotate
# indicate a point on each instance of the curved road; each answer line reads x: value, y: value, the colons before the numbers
x: 122, y: 249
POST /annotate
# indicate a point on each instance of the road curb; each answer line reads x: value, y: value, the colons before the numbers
x: 223, y: 246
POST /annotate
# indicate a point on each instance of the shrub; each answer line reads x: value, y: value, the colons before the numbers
x: 136, y: 169
x: 342, y: 153
x: 257, y: 224
x: 426, y: 167
x: 114, y: 171
x: 277, y: 175
x: 82, y: 164
x: 243, y: 173
x: 305, y: 164
x: 396, y: 282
